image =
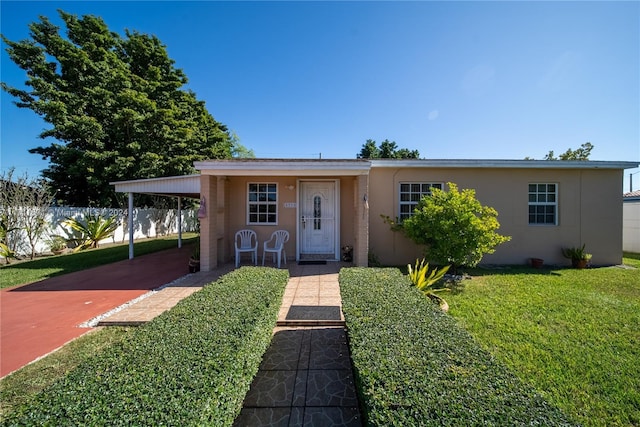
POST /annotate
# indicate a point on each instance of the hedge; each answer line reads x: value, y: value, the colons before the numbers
x: 192, y: 365
x: 415, y: 366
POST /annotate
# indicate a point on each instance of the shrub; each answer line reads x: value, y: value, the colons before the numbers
x: 415, y: 366
x: 191, y: 365
x: 93, y: 229
x: 453, y: 226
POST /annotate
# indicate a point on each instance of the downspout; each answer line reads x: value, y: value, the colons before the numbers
x: 580, y: 211
x: 130, y: 220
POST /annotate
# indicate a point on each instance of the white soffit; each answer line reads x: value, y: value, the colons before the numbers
x: 284, y: 167
x: 187, y: 186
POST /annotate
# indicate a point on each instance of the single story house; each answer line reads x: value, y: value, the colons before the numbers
x: 631, y: 221
x: 327, y: 204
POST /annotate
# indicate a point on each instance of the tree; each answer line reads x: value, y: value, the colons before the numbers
x: 116, y: 108
x: 386, y: 150
x: 24, y: 205
x: 454, y: 227
x: 581, y: 153
x: 369, y: 150
x: 240, y: 151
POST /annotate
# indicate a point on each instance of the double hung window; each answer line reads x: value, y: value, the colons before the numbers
x: 262, y: 203
x: 410, y: 195
x: 543, y: 203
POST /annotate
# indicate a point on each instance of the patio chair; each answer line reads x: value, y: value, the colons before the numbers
x: 246, y: 241
x: 275, y: 245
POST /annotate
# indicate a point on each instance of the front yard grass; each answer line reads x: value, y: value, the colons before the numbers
x: 574, y: 335
x: 20, y: 386
x: 415, y: 366
x: 23, y: 272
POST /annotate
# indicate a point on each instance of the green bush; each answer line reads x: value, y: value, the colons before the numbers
x: 190, y: 366
x: 415, y: 366
x: 454, y: 227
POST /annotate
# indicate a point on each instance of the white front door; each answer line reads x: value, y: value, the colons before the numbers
x: 318, y: 219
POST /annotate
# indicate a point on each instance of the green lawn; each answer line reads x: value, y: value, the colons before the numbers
x: 23, y: 272
x: 22, y: 385
x: 572, y: 334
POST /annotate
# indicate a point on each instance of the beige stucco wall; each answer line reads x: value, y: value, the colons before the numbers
x: 589, y: 211
x: 229, y: 214
x: 631, y: 226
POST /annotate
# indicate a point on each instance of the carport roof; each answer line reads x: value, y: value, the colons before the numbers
x: 178, y: 186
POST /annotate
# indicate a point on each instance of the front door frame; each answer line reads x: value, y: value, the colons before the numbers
x: 336, y: 231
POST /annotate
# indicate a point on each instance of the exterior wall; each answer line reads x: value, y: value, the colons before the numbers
x: 209, y: 232
x: 231, y: 211
x: 631, y: 226
x: 589, y: 212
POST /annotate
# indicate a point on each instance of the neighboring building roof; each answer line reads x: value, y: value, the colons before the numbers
x: 634, y: 195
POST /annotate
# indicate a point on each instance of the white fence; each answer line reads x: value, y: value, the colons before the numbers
x: 146, y: 223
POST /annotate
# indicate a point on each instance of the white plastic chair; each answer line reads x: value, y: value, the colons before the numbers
x: 275, y: 244
x: 246, y: 241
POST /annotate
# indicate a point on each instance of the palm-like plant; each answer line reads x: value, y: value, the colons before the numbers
x: 93, y: 229
x: 425, y: 280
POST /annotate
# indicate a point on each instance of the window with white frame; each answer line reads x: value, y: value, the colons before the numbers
x: 410, y: 195
x: 543, y: 203
x: 262, y: 203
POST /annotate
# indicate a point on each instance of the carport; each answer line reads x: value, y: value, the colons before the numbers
x: 187, y: 186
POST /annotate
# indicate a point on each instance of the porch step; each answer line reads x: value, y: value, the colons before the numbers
x: 310, y: 323
x: 313, y: 315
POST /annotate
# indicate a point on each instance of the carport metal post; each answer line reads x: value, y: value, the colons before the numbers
x: 130, y: 220
x: 179, y: 222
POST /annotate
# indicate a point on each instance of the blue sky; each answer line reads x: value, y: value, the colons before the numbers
x: 469, y: 80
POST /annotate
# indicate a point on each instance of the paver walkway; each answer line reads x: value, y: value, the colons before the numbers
x: 305, y: 378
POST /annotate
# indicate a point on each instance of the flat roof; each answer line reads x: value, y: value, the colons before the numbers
x: 178, y: 186
x: 284, y: 167
x: 189, y: 185
x: 503, y: 163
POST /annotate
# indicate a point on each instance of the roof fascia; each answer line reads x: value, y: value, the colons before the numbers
x: 178, y: 186
x: 511, y: 164
x: 284, y: 168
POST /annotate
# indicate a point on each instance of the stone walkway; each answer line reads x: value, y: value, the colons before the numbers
x: 152, y: 304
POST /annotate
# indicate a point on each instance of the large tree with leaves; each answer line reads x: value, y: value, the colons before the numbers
x: 117, y: 108
x: 581, y: 153
x: 386, y: 150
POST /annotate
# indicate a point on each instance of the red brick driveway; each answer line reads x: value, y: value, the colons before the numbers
x: 38, y: 318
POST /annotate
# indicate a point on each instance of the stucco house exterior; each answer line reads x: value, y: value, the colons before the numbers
x: 326, y: 204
